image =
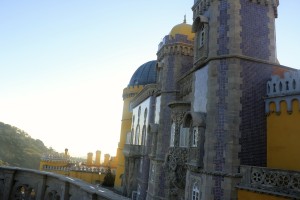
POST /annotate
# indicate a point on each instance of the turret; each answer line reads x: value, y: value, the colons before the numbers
x: 236, y: 27
x: 97, y: 159
x: 66, y: 152
x: 89, y: 161
x: 106, y: 160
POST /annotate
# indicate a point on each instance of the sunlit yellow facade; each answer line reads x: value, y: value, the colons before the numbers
x: 91, y: 171
x: 283, y: 136
x: 128, y: 94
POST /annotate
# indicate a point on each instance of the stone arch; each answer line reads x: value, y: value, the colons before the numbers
x: 198, y: 22
x: 196, y: 118
x: 23, y: 191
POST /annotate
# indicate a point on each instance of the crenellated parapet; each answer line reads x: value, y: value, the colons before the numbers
x: 149, y: 90
x: 178, y: 45
x: 200, y: 6
x: 131, y: 91
x: 273, y: 3
x: 286, y: 89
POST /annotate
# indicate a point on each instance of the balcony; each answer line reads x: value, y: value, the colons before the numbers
x: 20, y: 183
x: 271, y: 181
x: 131, y: 150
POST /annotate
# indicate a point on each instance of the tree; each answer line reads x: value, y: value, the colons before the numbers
x: 109, y: 179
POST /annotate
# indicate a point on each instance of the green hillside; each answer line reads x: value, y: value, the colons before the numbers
x: 17, y: 148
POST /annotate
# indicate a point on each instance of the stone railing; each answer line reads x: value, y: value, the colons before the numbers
x: 20, y: 183
x: 131, y: 150
x: 271, y: 181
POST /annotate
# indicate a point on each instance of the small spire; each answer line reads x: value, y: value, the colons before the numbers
x: 184, y: 20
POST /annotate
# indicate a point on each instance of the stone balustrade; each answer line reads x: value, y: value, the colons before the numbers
x: 28, y: 184
x: 271, y: 181
x: 131, y: 150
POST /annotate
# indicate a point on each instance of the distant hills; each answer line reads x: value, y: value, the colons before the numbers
x: 17, y: 148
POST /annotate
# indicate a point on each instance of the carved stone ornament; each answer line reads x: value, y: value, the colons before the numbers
x: 176, y: 168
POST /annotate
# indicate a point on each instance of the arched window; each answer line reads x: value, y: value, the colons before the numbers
x: 141, y: 165
x: 195, y: 192
x: 184, y: 136
x: 132, y: 137
x: 144, y: 136
x: 172, y: 138
x: 128, y: 138
x: 152, y: 172
x: 201, y: 36
x: 137, y: 135
x: 195, y: 137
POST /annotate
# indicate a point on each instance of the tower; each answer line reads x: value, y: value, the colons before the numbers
x: 235, y: 54
x: 175, y: 58
x: 97, y: 159
x: 89, y: 161
x: 145, y: 74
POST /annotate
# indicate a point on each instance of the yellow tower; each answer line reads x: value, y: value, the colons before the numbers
x: 128, y: 94
x: 145, y: 74
x: 97, y: 159
x: 89, y: 161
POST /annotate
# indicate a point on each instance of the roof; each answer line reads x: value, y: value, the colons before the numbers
x: 145, y: 74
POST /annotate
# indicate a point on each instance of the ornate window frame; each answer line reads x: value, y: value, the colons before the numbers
x: 184, y: 136
x: 172, y: 136
x: 195, y: 134
x: 195, y: 192
x: 201, y: 28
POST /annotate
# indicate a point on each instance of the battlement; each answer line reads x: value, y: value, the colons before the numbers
x: 289, y: 84
x: 273, y: 3
x: 131, y: 91
x: 200, y: 6
x: 101, y: 170
x: 55, y: 158
x: 179, y: 38
x: 283, y: 90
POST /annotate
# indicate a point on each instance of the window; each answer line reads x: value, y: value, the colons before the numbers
x: 195, y: 192
x: 144, y: 136
x: 172, y: 138
x: 137, y: 135
x: 132, y: 137
x: 201, y: 36
x: 141, y: 165
x: 152, y: 172
x: 194, y: 137
x: 184, y: 136
x: 128, y: 138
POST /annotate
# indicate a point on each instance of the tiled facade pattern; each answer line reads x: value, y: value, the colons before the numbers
x: 255, y: 30
x: 240, y: 60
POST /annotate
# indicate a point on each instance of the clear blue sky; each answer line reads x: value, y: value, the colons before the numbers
x: 64, y: 63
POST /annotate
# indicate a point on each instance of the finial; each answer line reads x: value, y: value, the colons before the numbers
x: 184, y: 20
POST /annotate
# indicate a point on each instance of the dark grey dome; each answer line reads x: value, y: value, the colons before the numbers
x: 145, y: 74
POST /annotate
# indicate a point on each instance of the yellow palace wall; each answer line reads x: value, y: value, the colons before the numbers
x: 128, y: 94
x: 94, y: 178
x: 283, y: 137
x: 53, y: 164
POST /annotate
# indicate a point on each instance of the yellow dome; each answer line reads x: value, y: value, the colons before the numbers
x: 183, y: 29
